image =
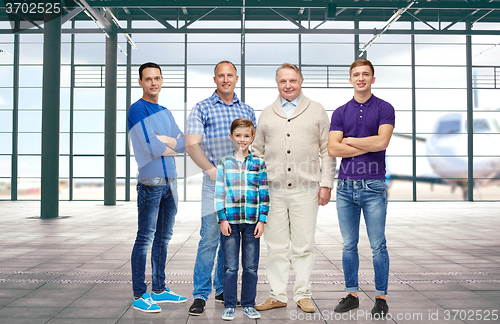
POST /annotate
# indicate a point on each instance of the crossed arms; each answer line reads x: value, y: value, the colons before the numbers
x: 170, y: 143
x: 347, y: 147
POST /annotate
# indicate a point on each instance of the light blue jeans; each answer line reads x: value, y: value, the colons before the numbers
x: 208, y: 246
x: 370, y: 196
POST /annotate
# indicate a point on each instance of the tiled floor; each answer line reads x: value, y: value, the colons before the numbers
x: 445, y: 266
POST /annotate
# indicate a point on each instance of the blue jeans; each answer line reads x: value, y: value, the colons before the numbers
x: 157, y: 207
x: 250, y: 248
x: 207, y: 247
x: 370, y: 196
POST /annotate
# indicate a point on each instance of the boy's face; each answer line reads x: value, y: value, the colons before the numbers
x: 242, y: 137
x: 362, y: 78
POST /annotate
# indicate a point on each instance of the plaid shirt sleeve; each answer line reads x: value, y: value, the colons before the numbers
x: 194, y: 123
x: 263, y: 193
x: 220, y: 192
x: 252, y: 116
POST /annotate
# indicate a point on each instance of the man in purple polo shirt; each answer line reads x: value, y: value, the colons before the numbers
x: 360, y: 132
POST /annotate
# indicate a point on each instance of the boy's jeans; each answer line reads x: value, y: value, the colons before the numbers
x: 370, y: 196
x: 250, y: 249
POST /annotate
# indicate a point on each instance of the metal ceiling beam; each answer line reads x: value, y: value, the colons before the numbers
x: 321, y: 23
x: 268, y: 31
x: 212, y: 3
x: 457, y: 5
x: 422, y: 21
x: 157, y: 17
x: 105, y: 23
x: 326, y: 20
x: 450, y: 5
x: 197, y: 19
x: 340, y: 11
x: 259, y: 10
x: 288, y: 18
x: 98, y: 16
x: 111, y: 17
x: 393, y: 19
x: 461, y: 19
x: 486, y: 14
x: 70, y: 15
x: 24, y: 17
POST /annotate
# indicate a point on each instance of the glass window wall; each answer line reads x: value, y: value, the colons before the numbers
x: 440, y: 101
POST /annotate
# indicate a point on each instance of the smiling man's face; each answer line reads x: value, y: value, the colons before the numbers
x: 362, y: 78
x: 151, y: 82
x: 225, y: 78
x: 289, y: 83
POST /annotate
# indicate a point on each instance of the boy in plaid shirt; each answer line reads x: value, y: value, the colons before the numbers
x: 242, y: 204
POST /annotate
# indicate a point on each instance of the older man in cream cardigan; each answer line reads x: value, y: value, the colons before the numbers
x: 292, y: 137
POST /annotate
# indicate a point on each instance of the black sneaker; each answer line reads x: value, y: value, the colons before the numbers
x: 346, y: 304
x: 219, y: 298
x: 380, y: 309
x: 198, y: 307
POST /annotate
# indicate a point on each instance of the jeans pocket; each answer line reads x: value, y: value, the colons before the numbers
x: 376, y: 185
x: 149, y: 195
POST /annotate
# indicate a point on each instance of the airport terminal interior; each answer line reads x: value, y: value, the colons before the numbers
x: 68, y: 210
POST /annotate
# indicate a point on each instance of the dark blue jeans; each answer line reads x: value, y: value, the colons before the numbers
x: 250, y: 249
x: 157, y: 207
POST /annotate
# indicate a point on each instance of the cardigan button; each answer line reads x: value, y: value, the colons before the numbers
x: 289, y: 169
x: 288, y: 151
x: 287, y: 135
x: 289, y: 184
x: 289, y: 120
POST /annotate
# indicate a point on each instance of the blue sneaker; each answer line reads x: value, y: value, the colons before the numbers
x: 168, y: 296
x: 228, y: 314
x: 146, y: 304
x: 251, y: 312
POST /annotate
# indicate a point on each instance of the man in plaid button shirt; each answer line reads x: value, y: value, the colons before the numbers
x: 207, y: 143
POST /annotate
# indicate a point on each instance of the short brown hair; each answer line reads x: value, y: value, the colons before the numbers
x: 289, y: 66
x: 241, y: 122
x: 361, y: 62
x: 224, y: 62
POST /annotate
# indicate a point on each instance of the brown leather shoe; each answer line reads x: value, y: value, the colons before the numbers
x: 270, y: 303
x: 306, y: 305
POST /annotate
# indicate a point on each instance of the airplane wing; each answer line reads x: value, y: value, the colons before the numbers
x: 419, y: 139
x: 426, y: 179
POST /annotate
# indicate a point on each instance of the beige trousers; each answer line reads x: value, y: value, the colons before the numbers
x: 289, y: 235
